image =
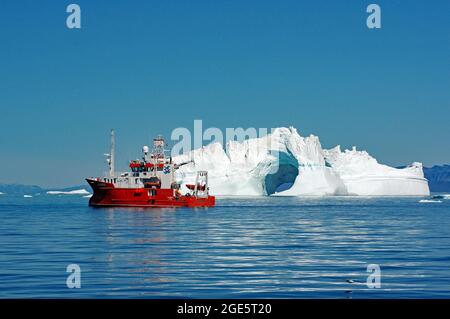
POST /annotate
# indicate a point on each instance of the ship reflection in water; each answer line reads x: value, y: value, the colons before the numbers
x: 243, y: 247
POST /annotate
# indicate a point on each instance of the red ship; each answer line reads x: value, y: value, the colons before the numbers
x: 150, y: 183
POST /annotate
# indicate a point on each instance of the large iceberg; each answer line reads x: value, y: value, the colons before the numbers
x: 283, y: 163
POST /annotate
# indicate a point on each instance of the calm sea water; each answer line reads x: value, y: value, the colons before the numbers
x: 243, y: 248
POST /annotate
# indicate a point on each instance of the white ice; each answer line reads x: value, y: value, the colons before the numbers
x: 74, y: 192
x: 258, y: 166
x: 429, y: 201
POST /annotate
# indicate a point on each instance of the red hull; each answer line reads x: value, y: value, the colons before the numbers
x: 106, y: 195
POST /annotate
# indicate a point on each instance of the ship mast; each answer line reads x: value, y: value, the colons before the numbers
x: 111, y: 154
x: 158, y: 151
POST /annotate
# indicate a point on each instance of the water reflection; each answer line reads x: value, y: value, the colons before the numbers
x: 258, y: 247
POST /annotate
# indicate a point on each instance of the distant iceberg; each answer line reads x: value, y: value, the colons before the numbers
x: 430, y: 201
x: 2, y: 193
x: 284, y: 163
x: 27, y: 196
x: 74, y: 192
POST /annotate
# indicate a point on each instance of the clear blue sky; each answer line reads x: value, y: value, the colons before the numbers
x: 146, y: 67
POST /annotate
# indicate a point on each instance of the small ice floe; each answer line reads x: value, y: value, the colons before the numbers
x: 27, y: 196
x: 2, y: 193
x: 87, y: 196
x: 430, y: 201
x: 354, y: 281
x: 74, y: 192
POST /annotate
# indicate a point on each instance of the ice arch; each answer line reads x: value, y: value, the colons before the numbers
x: 283, y: 177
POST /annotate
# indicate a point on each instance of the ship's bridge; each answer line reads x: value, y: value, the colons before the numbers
x: 141, y: 166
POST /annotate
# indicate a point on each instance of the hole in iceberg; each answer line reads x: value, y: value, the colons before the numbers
x: 283, y: 178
